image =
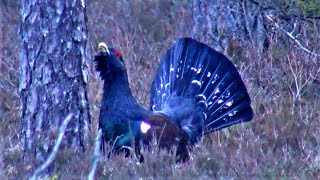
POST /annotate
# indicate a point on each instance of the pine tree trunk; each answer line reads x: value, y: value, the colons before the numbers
x: 246, y: 28
x: 53, y: 75
x: 229, y: 26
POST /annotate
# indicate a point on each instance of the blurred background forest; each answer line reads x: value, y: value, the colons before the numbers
x: 282, y: 77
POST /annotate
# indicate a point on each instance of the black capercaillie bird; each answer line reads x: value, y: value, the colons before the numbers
x: 196, y: 90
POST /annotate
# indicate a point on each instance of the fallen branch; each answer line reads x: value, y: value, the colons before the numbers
x: 55, y: 148
x: 96, y: 155
x: 292, y: 37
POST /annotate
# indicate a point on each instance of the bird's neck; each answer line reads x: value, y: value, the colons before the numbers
x: 118, y: 101
x: 117, y: 86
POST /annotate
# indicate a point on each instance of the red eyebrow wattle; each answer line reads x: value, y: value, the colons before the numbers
x: 117, y: 53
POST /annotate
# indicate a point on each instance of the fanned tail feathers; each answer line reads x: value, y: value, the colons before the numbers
x: 193, y: 70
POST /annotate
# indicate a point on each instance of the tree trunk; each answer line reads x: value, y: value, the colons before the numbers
x: 229, y: 26
x: 53, y: 75
x: 246, y: 28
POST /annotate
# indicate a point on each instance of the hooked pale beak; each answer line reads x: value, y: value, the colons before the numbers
x: 102, y: 47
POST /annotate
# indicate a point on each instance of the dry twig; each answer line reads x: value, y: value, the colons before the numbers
x: 292, y: 37
x: 55, y: 148
x: 96, y: 155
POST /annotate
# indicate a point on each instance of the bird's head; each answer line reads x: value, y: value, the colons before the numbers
x: 109, y: 62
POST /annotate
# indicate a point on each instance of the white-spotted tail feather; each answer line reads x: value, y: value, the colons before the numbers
x: 190, y: 70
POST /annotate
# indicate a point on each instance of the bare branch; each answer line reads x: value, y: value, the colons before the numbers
x: 165, y: 124
x: 114, y: 143
x: 96, y: 155
x: 292, y: 37
x: 55, y: 148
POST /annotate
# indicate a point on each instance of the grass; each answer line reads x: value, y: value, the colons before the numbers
x: 282, y: 141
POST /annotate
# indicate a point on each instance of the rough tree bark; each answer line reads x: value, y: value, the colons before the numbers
x: 236, y: 27
x: 228, y: 25
x: 53, y: 74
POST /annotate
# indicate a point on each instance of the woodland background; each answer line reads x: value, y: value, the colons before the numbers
x: 282, y: 141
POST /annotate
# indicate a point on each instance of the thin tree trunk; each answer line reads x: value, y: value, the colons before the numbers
x: 53, y: 74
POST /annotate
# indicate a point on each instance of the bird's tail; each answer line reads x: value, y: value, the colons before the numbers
x: 193, y: 70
